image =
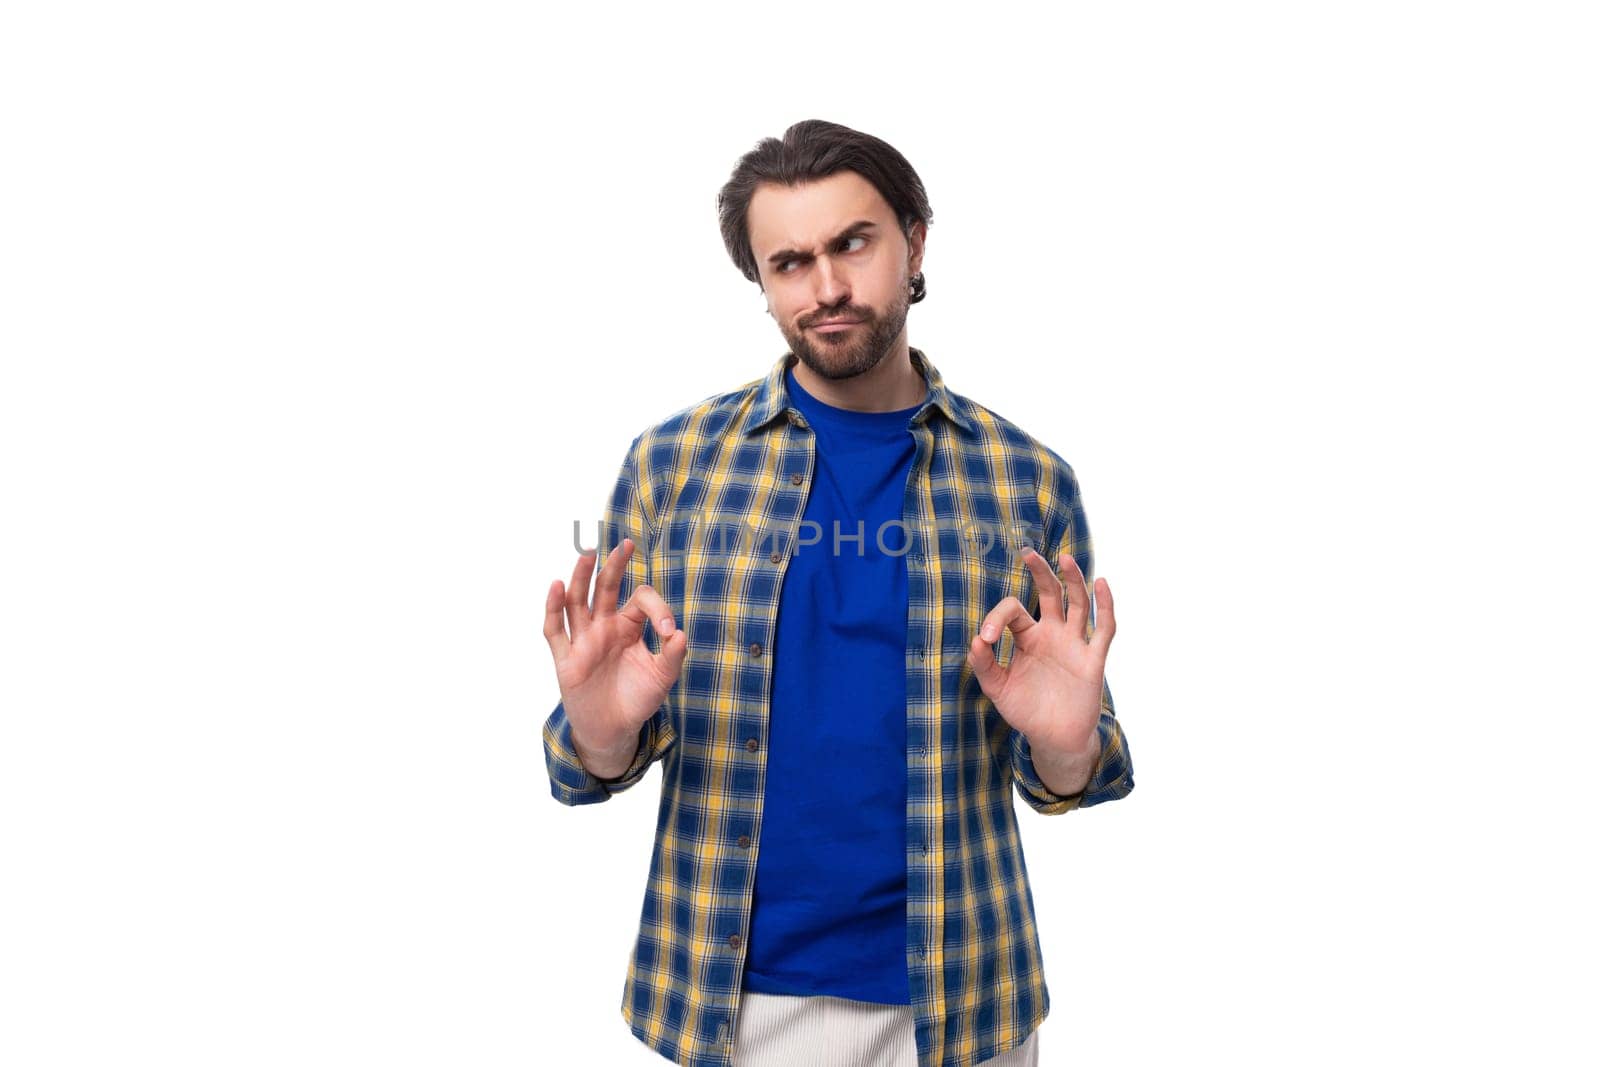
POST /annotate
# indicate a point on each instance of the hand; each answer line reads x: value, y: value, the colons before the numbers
x: 610, y: 681
x: 1050, y: 691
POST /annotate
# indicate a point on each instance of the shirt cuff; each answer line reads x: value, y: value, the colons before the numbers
x: 1111, y: 778
x: 570, y: 781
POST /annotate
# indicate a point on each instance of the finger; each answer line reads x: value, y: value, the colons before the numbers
x: 1105, y: 626
x: 578, y: 593
x: 1077, y: 596
x: 646, y: 603
x: 609, y: 584
x: 1011, y: 613
x: 1048, y: 583
x: 555, y: 629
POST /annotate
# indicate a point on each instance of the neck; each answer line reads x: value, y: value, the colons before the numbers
x: 893, y: 385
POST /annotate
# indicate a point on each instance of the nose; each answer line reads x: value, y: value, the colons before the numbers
x: 831, y: 286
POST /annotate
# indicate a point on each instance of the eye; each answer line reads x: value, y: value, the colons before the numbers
x: 783, y: 268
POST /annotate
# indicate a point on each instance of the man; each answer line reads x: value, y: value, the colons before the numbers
x: 825, y: 610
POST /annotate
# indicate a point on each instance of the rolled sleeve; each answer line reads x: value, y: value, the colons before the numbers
x: 1111, y: 779
x: 626, y: 515
x: 570, y: 781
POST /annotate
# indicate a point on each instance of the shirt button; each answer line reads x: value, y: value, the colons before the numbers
x: 744, y: 841
x: 751, y: 744
x: 775, y: 557
x: 797, y: 478
x: 923, y: 751
x: 734, y: 941
x: 755, y: 648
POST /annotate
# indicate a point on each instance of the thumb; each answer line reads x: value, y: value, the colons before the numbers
x: 674, y: 649
x: 991, y: 676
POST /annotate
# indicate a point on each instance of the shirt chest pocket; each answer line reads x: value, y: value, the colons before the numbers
x: 992, y: 568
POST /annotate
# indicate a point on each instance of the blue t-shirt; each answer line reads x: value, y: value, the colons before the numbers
x: 829, y: 910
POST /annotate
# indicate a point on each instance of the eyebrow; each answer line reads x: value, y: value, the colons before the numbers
x: 849, y: 231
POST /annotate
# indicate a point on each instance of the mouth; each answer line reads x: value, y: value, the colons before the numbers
x: 835, y: 325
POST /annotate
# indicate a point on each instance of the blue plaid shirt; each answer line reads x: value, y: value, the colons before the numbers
x: 713, y: 496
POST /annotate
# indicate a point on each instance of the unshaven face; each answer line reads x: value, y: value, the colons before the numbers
x: 831, y: 249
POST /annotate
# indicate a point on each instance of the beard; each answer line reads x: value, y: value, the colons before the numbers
x: 854, y: 351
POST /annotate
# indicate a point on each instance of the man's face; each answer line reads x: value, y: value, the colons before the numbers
x: 831, y: 249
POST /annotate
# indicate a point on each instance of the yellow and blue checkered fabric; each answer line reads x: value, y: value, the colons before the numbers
x: 713, y: 496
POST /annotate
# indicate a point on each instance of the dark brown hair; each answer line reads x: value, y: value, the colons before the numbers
x: 809, y: 151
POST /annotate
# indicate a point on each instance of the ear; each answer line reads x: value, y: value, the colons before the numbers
x: 915, y: 241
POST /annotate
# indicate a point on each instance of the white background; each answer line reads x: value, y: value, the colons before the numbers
x: 322, y: 322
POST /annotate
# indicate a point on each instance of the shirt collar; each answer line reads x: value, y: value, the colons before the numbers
x: 772, y: 398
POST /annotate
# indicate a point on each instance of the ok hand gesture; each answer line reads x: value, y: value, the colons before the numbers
x: 610, y: 681
x: 1050, y: 691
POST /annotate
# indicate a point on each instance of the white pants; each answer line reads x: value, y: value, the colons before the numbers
x: 783, y: 1031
